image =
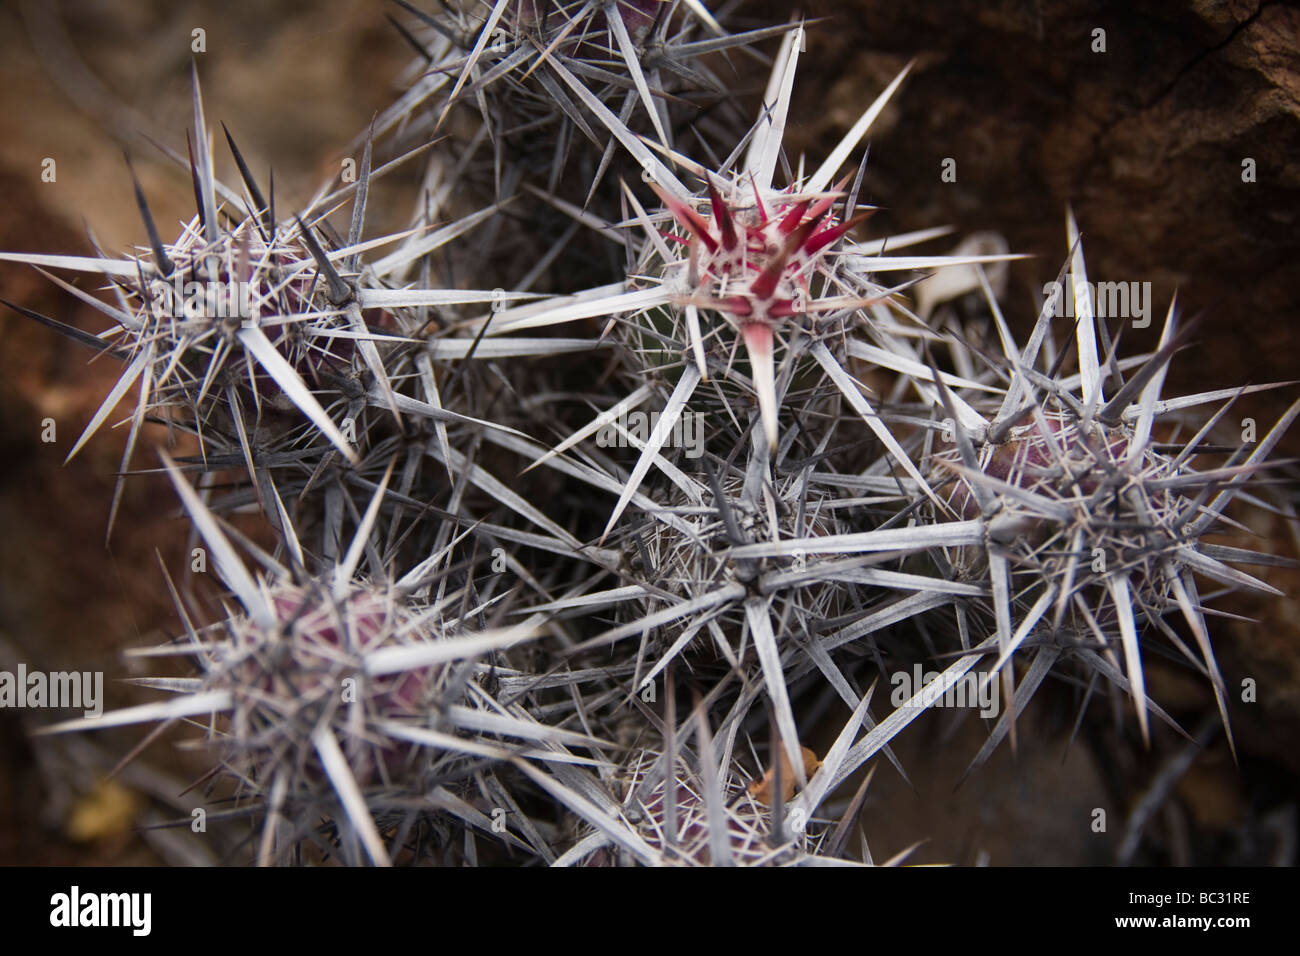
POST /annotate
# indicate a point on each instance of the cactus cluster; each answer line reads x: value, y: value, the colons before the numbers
x: 559, y: 576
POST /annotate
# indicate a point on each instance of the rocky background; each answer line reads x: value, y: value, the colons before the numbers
x: 1146, y: 141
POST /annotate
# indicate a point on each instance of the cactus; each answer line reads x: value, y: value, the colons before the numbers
x: 1095, y: 524
x: 535, y: 569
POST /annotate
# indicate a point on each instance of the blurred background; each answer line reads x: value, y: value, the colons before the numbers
x: 1145, y: 140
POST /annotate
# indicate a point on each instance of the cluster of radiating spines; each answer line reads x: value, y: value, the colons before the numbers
x: 742, y: 261
x: 777, y: 274
x: 693, y: 801
x: 1094, y: 497
x: 692, y: 554
x: 686, y: 592
x: 766, y: 571
x: 288, y: 352
x: 700, y: 820
x: 745, y: 274
x: 537, y: 77
x: 355, y: 702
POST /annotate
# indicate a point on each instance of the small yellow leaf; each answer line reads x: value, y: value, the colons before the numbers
x: 106, y: 811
